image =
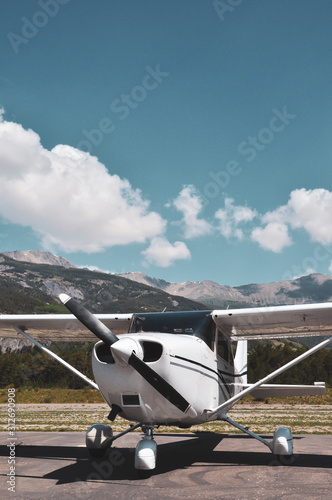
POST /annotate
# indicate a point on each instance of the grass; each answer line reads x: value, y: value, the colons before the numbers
x: 53, y: 396
x: 63, y: 396
x: 303, y: 420
x: 326, y: 399
x: 75, y: 410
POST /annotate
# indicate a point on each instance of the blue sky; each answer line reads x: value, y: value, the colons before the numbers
x: 187, y: 140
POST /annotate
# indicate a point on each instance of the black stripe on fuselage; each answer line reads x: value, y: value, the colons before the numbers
x: 219, y: 373
x: 234, y: 375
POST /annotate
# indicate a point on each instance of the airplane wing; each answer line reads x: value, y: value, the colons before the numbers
x: 59, y: 327
x: 275, y: 322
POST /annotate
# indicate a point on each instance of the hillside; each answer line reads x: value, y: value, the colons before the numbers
x: 31, y: 280
x: 27, y: 287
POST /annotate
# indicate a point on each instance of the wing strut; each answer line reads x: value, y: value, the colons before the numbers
x: 62, y: 361
x: 282, y: 369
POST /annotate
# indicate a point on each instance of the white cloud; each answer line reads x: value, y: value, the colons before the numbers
x: 190, y: 204
x: 68, y: 197
x: 96, y: 269
x: 274, y: 236
x: 310, y: 210
x: 163, y: 254
x: 231, y: 217
x: 330, y: 267
x: 2, y: 112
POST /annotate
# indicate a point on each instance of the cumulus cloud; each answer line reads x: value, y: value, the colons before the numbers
x: 274, y: 236
x: 163, y: 254
x: 68, y: 197
x: 232, y: 217
x: 309, y: 210
x: 190, y: 204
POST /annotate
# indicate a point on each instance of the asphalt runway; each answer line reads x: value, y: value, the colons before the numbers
x: 204, y: 465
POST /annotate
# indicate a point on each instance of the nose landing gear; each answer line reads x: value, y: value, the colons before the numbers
x: 146, y: 453
x: 99, y: 438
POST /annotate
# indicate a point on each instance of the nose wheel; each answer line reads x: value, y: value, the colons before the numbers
x: 99, y: 438
x: 146, y: 454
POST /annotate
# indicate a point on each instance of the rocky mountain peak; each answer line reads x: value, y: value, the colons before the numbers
x: 39, y: 257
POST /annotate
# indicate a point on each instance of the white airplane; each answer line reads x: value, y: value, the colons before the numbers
x: 178, y: 368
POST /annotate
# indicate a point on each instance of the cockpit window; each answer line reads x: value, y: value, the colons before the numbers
x: 197, y: 323
x: 224, y: 348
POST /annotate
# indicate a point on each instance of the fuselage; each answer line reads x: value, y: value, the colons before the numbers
x: 188, y: 361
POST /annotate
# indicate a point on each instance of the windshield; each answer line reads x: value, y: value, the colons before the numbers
x: 197, y: 323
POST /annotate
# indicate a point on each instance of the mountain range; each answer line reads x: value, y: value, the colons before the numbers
x: 43, y: 276
x: 31, y: 281
x: 306, y: 289
x: 37, y: 257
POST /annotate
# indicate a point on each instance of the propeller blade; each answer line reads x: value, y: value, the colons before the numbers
x: 89, y: 320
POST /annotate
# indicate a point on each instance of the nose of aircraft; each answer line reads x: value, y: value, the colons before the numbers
x: 126, y: 351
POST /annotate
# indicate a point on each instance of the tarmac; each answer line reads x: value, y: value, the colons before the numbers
x: 203, y: 465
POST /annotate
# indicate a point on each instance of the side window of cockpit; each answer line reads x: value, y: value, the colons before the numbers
x: 209, y: 335
x: 224, y: 348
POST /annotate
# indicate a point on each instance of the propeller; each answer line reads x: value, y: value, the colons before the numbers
x: 109, y: 338
x: 89, y: 320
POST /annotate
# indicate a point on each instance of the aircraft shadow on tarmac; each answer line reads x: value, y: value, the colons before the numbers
x: 118, y: 463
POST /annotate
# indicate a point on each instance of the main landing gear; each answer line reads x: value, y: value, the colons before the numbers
x: 282, y: 444
x: 99, y: 438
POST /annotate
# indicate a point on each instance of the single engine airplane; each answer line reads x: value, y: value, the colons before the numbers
x: 179, y: 368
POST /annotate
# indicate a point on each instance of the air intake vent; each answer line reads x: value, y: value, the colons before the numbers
x: 130, y: 400
x: 103, y: 353
x: 152, y: 351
